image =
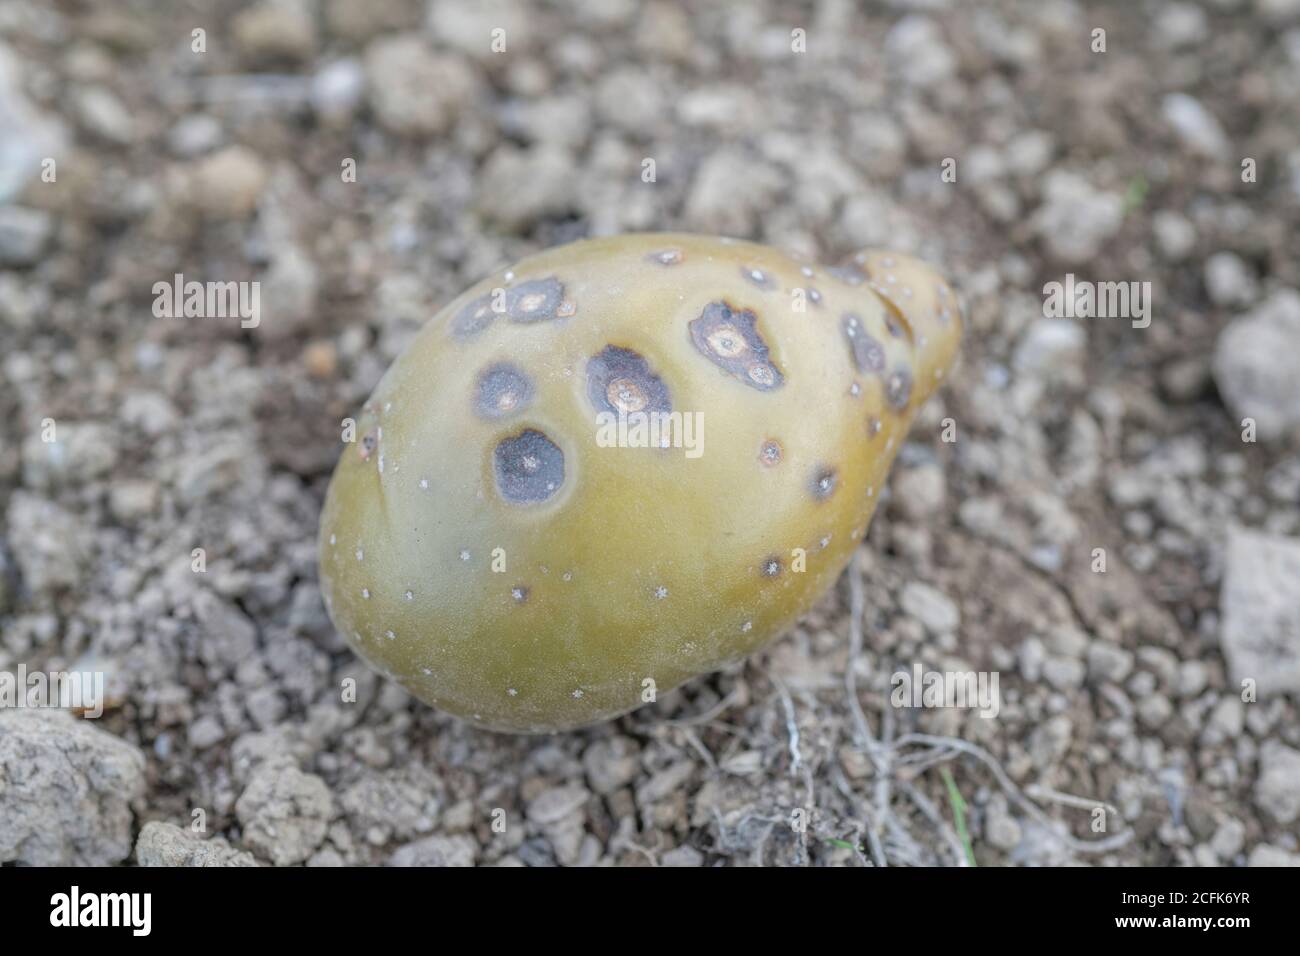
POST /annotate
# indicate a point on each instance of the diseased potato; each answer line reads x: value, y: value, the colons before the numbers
x: 622, y: 463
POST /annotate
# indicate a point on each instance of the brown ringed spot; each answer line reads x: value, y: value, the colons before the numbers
x: 868, y: 354
x: 730, y: 340
x: 529, y: 467
x: 770, y: 453
x: 503, y: 389
x: 537, y: 300
x: 620, y: 380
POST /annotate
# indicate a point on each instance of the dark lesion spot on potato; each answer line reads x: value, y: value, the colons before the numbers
x: 730, y: 340
x: 503, y: 389
x: 473, y: 317
x: 770, y: 453
x: 666, y: 257
x: 867, y: 353
x: 620, y: 381
x: 537, y: 300
x: 519, y: 594
x: 529, y: 467
x: 898, y: 387
x: 366, y: 447
x: 823, y: 483
x: 771, y: 567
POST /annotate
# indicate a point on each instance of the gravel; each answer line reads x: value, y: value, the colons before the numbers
x: 67, y: 790
x: 1102, y: 535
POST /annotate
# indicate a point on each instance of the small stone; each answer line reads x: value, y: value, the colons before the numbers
x: 413, y: 90
x: 102, y: 115
x: 1272, y: 856
x: 458, y: 850
x: 1229, y: 838
x: 931, y: 607
x: 337, y: 90
x: 1076, y: 219
x: 1108, y: 663
x: 1001, y: 829
x: 24, y: 235
x: 920, y: 492
x: 133, y: 499
x: 1277, y: 792
x: 1175, y: 235
x: 1229, y: 281
x: 274, y: 31
x: 915, y: 48
x: 66, y: 790
x: 520, y: 187
x: 1053, y: 350
x: 321, y: 359
x: 553, y: 805
x: 229, y: 183
x: 731, y: 191
x: 611, y: 763
x: 49, y: 543
x: 1063, y: 673
x: 285, y: 813
x: 165, y: 844
x: 195, y: 135
x: 1260, y: 611
x: 1195, y: 125
x: 1253, y: 366
x: 682, y: 856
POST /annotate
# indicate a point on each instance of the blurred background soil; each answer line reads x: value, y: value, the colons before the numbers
x: 229, y: 742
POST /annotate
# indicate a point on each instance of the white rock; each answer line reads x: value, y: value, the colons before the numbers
x: 1196, y: 126
x: 1260, y: 610
x: 1076, y: 219
x: 1229, y: 281
x: 66, y: 790
x: 1277, y: 792
x: 931, y: 607
x: 1254, y: 365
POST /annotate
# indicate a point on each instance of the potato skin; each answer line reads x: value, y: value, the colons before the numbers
x: 478, y: 544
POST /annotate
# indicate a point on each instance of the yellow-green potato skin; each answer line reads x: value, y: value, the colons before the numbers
x: 642, y: 566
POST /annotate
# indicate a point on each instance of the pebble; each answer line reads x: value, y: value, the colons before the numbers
x: 1076, y: 219
x: 456, y: 850
x: 1254, y: 365
x: 1260, y: 610
x: 1229, y: 281
x: 414, y: 91
x: 102, y: 114
x: 165, y: 844
x: 274, y: 31
x: 931, y: 607
x: 915, y: 48
x: 24, y: 235
x: 1277, y: 791
x: 520, y: 187
x: 284, y: 812
x: 66, y: 790
x: 228, y: 183
x: 1196, y: 126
